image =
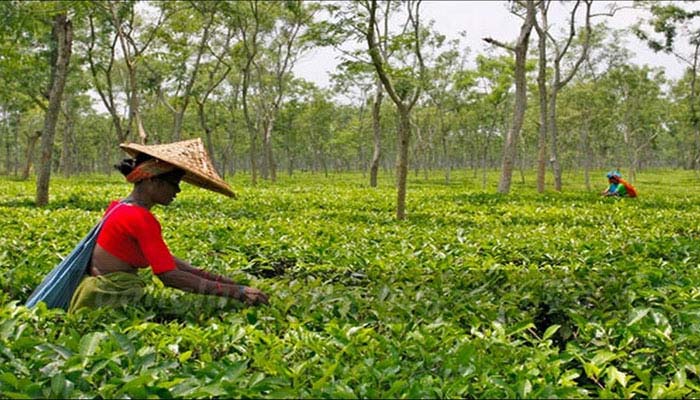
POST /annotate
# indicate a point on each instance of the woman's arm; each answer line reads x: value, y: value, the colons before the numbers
x: 185, y: 266
x: 189, y: 282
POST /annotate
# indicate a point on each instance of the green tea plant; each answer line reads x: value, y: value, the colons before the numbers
x: 474, y: 295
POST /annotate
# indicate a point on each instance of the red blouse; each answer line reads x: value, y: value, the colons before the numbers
x: 132, y: 234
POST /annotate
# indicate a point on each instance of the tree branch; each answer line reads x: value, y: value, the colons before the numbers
x: 497, y: 43
x: 586, y: 45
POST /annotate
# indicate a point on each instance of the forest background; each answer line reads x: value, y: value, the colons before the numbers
x: 78, y: 78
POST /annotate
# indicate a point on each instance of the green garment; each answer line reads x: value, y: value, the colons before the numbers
x: 115, y: 289
x: 621, y: 190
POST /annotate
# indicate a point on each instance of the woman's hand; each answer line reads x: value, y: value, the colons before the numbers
x: 253, y: 296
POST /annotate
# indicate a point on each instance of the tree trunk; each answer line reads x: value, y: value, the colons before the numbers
x: 377, y: 135
x: 510, y: 144
x: 204, y: 123
x: 68, y: 145
x: 403, y: 107
x: 695, y: 120
x: 586, y: 152
x: 484, y: 158
x: 16, y: 160
x: 8, y: 144
x: 268, y: 166
x: 62, y: 36
x: 252, y: 132
x: 404, y: 129
x: 288, y: 152
x: 418, y: 152
x: 31, y: 144
x: 446, y: 153
x: 542, y: 90
x: 554, y: 155
x: 177, y: 125
x: 558, y: 83
x: 633, y: 166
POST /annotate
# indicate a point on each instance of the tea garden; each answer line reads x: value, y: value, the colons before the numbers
x: 476, y: 294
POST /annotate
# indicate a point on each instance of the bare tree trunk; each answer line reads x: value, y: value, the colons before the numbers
x: 8, y: 144
x: 290, y: 157
x: 586, y: 152
x: 418, y: 152
x: 204, y: 123
x: 542, y: 90
x: 511, y: 140
x: 68, y: 145
x: 106, y: 89
x: 554, y: 149
x: 558, y: 83
x: 269, y: 167
x: 484, y: 158
x: 484, y: 170
x: 130, y: 60
x: 428, y: 153
x: 633, y: 166
x: 252, y: 132
x: 404, y: 105
x: 695, y: 120
x: 62, y: 35
x: 16, y: 161
x: 446, y: 154
x: 377, y: 135
x: 31, y: 144
x: 444, y: 140
x: 402, y: 161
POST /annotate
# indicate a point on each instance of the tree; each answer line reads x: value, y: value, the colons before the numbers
x: 448, y: 82
x: 665, y: 20
x: 185, y: 46
x: 286, y: 44
x: 639, y: 111
x: 548, y: 96
x: 132, y: 37
x: 250, y: 22
x: 401, y: 85
x: 520, y: 51
x: 495, y: 79
x: 61, y: 45
x: 356, y: 69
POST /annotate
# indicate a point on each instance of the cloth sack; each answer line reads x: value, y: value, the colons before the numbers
x: 56, y: 290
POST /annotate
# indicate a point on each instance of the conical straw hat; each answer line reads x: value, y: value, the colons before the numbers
x: 188, y: 155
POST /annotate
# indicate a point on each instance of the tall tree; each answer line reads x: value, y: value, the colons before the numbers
x: 285, y: 44
x: 559, y: 79
x: 640, y: 113
x: 185, y: 47
x: 133, y: 45
x: 250, y: 21
x: 357, y: 67
x: 61, y: 45
x: 520, y: 51
x: 403, y: 87
x: 214, y: 73
x: 669, y: 21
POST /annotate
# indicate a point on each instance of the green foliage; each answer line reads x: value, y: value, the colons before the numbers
x: 666, y: 21
x: 475, y: 295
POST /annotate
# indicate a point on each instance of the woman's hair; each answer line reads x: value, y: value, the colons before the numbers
x: 127, y: 165
x: 174, y: 175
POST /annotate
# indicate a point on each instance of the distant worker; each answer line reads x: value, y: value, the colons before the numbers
x: 618, y: 186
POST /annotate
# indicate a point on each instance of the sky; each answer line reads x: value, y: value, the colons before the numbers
x: 492, y: 19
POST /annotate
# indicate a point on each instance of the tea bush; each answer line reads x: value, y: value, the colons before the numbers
x: 474, y: 295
